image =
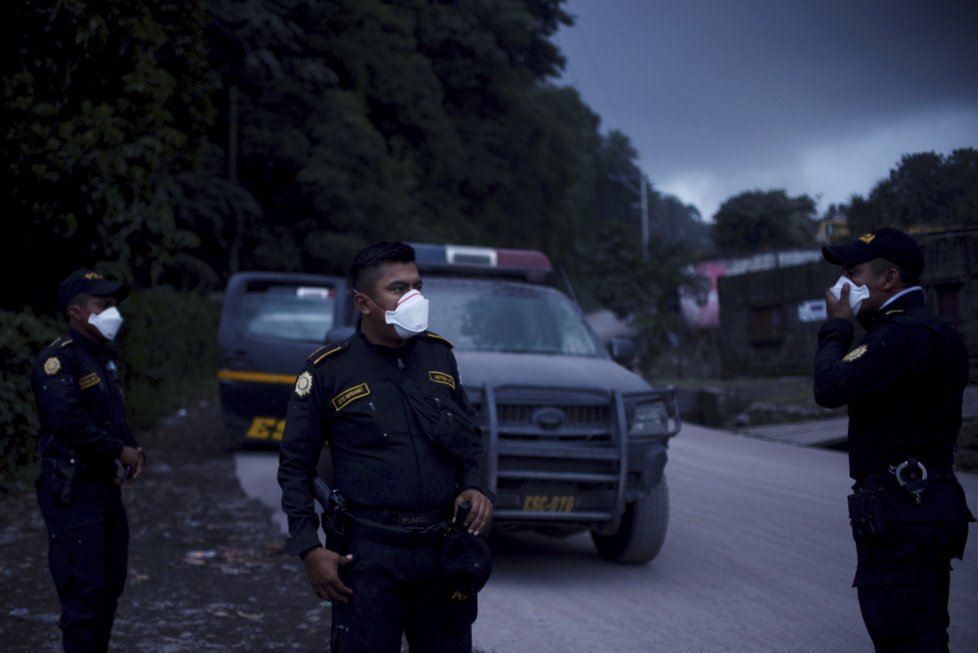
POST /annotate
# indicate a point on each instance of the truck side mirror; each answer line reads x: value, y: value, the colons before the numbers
x: 622, y: 350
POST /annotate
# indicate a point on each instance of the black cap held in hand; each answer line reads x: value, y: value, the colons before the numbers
x: 92, y: 283
x: 887, y: 243
x: 465, y: 566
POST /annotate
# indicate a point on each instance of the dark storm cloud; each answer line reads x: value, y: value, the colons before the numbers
x: 726, y: 86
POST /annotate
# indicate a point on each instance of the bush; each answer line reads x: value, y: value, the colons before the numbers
x: 168, y: 353
x: 22, y: 336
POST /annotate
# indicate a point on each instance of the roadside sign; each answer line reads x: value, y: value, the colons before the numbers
x: 812, y: 310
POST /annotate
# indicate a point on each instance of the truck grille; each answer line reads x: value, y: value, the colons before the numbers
x: 550, y: 445
x: 552, y: 422
x: 517, y: 415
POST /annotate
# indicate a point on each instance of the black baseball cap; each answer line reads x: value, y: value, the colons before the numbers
x: 887, y: 243
x: 90, y: 282
x: 465, y: 565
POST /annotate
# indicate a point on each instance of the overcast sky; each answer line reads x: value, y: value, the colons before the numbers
x: 819, y: 97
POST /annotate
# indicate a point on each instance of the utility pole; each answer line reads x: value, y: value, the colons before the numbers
x: 643, y: 204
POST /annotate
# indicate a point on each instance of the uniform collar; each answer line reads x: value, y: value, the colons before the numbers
x: 902, y: 301
x: 389, y: 352
x: 101, y: 349
x: 900, y: 294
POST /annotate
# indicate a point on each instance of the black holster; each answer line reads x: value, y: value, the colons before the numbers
x: 62, y: 473
x: 867, y: 515
x: 336, y: 526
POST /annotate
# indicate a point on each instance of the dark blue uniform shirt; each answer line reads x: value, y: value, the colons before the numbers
x: 904, y: 385
x: 346, y: 398
x: 80, y: 402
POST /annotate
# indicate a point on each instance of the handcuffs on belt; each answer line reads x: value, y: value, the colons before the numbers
x: 911, y: 475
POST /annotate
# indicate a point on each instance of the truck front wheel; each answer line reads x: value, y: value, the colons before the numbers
x: 642, y: 531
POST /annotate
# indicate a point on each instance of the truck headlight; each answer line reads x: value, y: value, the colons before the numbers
x: 650, y: 418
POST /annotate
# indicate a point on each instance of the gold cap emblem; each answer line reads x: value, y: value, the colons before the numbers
x: 868, y: 238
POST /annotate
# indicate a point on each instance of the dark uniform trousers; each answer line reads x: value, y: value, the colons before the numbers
x: 88, y: 548
x: 903, y: 578
x: 395, y: 591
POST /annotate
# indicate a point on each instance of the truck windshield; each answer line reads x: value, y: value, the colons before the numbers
x: 288, y: 312
x: 494, y: 315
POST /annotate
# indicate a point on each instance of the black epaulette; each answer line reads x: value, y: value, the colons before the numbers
x: 438, y: 338
x: 326, y: 351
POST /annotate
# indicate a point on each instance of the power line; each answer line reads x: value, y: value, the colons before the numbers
x: 600, y: 77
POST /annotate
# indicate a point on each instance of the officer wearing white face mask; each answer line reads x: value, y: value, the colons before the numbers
x: 87, y: 452
x: 903, y: 385
x: 398, y: 475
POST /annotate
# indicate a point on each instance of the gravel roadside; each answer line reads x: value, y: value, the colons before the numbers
x: 206, y: 569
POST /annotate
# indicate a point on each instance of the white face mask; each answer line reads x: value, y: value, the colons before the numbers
x: 107, y: 322
x: 410, y: 317
x: 856, y: 293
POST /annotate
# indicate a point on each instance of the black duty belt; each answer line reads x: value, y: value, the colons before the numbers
x: 887, y: 480
x: 406, y: 529
x: 404, y: 519
x: 85, y: 469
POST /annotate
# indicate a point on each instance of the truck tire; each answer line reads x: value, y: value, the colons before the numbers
x: 642, y: 530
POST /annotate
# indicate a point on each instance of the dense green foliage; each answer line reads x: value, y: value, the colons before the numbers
x: 22, y: 336
x: 764, y: 221
x: 104, y: 104
x: 181, y: 142
x: 168, y: 350
x: 925, y: 190
x: 433, y: 121
x: 643, y: 287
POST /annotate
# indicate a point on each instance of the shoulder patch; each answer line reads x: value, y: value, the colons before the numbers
x: 52, y: 366
x: 325, y: 352
x: 303, y: 385
x: 438, y: 338
x: 855, y: 353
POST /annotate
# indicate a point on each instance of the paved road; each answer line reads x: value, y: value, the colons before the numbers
x: 758, y: 558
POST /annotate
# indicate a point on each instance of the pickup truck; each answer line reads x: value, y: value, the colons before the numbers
x: 576, y: 441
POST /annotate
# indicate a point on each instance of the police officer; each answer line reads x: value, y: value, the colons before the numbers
x: 87, y: 452
x: 397, y: 476
x: 903, y: 385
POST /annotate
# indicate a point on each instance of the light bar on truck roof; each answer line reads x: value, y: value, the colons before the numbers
x: 529, y: 264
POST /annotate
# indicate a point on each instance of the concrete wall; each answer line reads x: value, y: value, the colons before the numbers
x: 951, y: 281
x: 761, y: 332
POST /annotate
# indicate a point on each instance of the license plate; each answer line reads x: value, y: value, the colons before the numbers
x: 548, y: 503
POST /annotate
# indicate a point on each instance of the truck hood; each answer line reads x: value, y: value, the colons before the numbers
x: 546, y: 371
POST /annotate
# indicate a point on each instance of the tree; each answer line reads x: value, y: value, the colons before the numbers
x: 763, y: 221
x: 359, y: 120
x: 104, y: 103
x: 925, y: 190
x: 641, y: 289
